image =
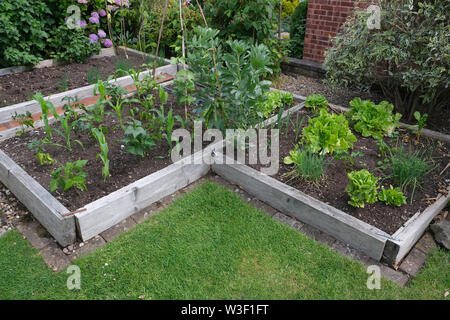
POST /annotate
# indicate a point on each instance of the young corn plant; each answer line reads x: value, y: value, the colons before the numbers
x: 101, y: 139
x: 46, y: 108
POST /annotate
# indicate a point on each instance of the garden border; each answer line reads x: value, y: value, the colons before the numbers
x: 33, y: 106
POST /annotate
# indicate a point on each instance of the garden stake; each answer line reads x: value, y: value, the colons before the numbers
x: 159, y: 39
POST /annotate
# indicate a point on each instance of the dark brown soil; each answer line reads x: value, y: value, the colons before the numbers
x: 302, y: 85
x: 20, y: 87
x: 125, y: 168
x: 331, y: 189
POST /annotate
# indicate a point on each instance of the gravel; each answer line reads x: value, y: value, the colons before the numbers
x: 11, y: 210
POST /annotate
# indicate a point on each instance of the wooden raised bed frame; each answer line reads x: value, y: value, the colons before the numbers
x: 111, y: 209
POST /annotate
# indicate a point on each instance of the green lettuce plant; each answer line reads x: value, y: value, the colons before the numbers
x: 316, y: 102
x: 392, y: 196
x: 373, y: 120
x: 362, y: 188
x: 328, y: 133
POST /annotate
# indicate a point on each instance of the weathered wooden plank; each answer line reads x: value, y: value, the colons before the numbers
x: 104, y: 213
x: 44, y: 207
x: 407, y: 236
x: 356, y: 233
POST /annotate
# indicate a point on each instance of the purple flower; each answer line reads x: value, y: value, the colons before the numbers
x: 82, y: 23
x: 93, y: 38
x: 107, y: 43
x: 123, y: 3
x: 102, y: 12
x: 94, y: 20
x: 83, y: 1
x: 95, y: 14
x: 101, y: 34
x: 111, y: 8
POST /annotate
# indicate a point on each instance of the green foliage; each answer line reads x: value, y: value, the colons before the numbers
x: 362, y: 188
x: 288, y: 7
x: 137, y: 140
x: 316, y: 102
x: 373, y: 120
x: 101, y: 139
x: 243, y: 19
x: 298, y: 30
x: 45, y: 158
x: 392, y: 196
x: 25, y: 120
x: 122, y: 67
x: 231, y: 87
x: 409, y: 168
x: 72, y: 45
x: 308, y: 165
x: 24, y: 26
x: 93, y: 76
x: 69, y: 176
x: 274, y: 100
x: 46, y: 108
x: 421, y: 122
x: 328, y: 133
x: 408, y: 57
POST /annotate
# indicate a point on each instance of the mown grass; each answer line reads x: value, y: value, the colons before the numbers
x: 209, y: 245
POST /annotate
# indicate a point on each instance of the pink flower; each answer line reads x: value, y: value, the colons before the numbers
x: 107, y: 43
x: 95, y: 14
x: 111, y: 8
x: 83, y: 1
x: 102, y: 12
x: 93, y: 38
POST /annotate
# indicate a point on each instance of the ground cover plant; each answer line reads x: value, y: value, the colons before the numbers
x: 209, y: 245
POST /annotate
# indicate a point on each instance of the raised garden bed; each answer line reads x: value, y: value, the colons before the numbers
x: 380, y: 231
x: 29, y: 82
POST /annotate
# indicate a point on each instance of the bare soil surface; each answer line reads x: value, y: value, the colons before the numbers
x: 20, y: 87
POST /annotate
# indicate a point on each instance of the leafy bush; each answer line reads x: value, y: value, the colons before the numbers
x: 72, y: 45
x: 308, y: 165
x: 316, y: 102
x: 371, y: 119
x: 23, y: 32
x: 328, y: 133
x: 408, y: 57
x: 298, y: 30
x: 71, y: 175
x: 392, y: 196
x: 243, y: 19
x: 362, y: 188
x: 231, y: 86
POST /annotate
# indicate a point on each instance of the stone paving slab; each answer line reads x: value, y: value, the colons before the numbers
x: 426, y: 243
x: 115, y: 231
x: 35, y: 234
x: 54, y: 257
x: 413, y: 262
x: 84, y: 248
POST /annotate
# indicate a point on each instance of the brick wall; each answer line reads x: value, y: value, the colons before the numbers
x: 325, y: 18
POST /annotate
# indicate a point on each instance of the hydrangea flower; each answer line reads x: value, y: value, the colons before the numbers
x: 101, y: 33
x: 93, y: 38
x: 94, y: 20
x: 111, y: 8
x: 95, y: 14
x: 107, y: 43
x: 83, y: 1
x: 102, y: 12
x: 123, y: 3
x: 82, y: 23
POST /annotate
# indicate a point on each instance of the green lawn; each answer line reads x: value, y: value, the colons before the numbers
x: 209, y: 245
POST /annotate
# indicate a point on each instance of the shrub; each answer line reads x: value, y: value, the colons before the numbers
x: 392, y: 196
x: 408, y: 58
x: 72, y: 45
x: 23, y: 32
x: 298, y: 29
x: 328, y: 133
x: 243, y: 19
x: 308, y: 165
x: 362, y: 188
x: 371, y: 119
